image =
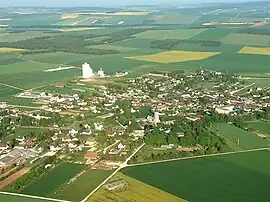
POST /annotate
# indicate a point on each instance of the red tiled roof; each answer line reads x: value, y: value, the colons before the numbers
x: 91, y: 155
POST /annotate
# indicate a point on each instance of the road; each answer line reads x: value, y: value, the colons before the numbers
x: 196, y: 157
x: 236, y: 91
x: 33, y: 197
x: 22, y: 106
x: 123, y: 165
x: 40, y: 127
x: 105, y: 149
x: 14, y: 87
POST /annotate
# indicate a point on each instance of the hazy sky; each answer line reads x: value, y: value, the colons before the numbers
x: 82, y: 3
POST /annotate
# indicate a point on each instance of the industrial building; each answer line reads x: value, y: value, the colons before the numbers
x: 87, y: 71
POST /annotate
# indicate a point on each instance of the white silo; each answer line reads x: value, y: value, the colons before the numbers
x: 156, y: 118
x: 101, y: 73
x: 87, y: 71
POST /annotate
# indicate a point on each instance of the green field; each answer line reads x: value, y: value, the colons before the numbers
x: 215, y: 34
x: 84, y: 185
x: 175, y: 18
x: 247, y: 139
x: 48, y: 183
x: 169, y: 34
x: 247, y: 39
x: 12, y: 37
x: 260, y: 126
x: 235, y: 178
x: 8, y: 198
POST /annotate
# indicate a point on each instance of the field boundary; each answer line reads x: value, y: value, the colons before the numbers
x: 200, y: 156
x: 34, y: 197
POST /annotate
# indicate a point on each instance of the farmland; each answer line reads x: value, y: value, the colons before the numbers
x: 256, y: 51
x: 260, y: 126
x: 247, y: 39
x: 79, y: 189
x: 137, y: 191
x: 241, y: 175
x: 10, y: 198
x: 169, y: 34
x: 48, y: 183
x: 175, y: 56
x: 6, y: 50
x: 247, y: 139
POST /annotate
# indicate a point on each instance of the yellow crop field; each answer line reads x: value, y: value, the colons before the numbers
x: 69, y: 16
x: 117, y: 13
x: 254, y: 50
x: 137, y: 191
x: 175, y: 56
x: 77, y: 29
x: 7, y: 50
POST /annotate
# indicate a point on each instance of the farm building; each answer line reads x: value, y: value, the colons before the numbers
x: 115, y: 186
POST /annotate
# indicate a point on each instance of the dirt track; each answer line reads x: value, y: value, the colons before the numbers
x: 13, y: 177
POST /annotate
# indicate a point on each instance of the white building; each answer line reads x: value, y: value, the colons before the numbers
x: 156, y: 118
x: 101, y: 73
x: 87, y: 71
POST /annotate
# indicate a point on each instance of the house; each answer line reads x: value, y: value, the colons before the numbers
x: 91, y: 155
x: 121, y: 146
x: 59, y: 85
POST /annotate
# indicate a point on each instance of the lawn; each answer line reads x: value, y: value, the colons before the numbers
x: 9, y: 198
x: 169, y: 34
x: 137, y: 191
x: 247, y: 39
x: 84, y: 185
x: 49, y: 182
x: 239, y: 177
x: 247, y: 139
x: 254, y: 50
x: 175, y: 56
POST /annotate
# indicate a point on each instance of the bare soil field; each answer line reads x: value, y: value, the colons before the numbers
x: 14, y: 177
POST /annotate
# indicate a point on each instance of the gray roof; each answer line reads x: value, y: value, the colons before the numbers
x: 6, y: 159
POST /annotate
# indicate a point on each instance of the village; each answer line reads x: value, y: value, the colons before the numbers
x: 103, y: 131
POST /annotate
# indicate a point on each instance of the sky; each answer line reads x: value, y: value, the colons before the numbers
x: 93, y: 3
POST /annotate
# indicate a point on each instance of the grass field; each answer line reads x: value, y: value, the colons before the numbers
x: 137, y: 191
x: 175, y: 56
x: 256, y: 51
x: 79, y: 189
x: 48, y: 183
x: 8, y: 198
x: 234, y: 178
x: 7, y: 50
x: 169, y: 34
x: 247, y: 139
x: 247, y: 39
